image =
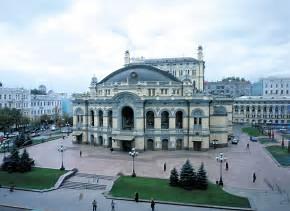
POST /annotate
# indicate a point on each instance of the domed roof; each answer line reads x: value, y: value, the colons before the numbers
x: 140, y: 72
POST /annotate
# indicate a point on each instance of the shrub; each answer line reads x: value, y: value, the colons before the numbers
x: 201, y: 179
x: 15, y: 163
x: 187, y: 176
x: 174, y: 177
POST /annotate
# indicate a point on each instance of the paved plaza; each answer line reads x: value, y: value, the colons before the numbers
x: 271, y: 191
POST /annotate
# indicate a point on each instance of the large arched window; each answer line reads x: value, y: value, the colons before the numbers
x: 110, y: 118
x: 164, y: 120
x: 92, y: 117
x: 79, y: 114
x: 150, y: 119
x: 178, y: 119
x: 197, y: 119
x: 127, y: 118
x: 100, y: 118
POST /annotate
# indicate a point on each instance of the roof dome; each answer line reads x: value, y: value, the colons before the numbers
x: 135, y: 73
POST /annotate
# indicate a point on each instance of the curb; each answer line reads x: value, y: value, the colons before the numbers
x: 55, y: 187
x: 107, y: 196
x: 16, y: 207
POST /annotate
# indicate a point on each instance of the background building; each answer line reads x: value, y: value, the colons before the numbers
x: 276, y: 86
x: 262, y: 109
x: 257, y: 88
x: 18, y: 98
x: 147, y: 108
x: 43, y: 103
x: 186, y: 69
x: 230, y: 87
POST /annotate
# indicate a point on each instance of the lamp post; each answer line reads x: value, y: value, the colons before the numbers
x: 221, y: 159
x: 61, y: 149
x: 133, y: 154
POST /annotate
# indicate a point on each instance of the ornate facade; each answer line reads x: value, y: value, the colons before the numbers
x: 262, y: 110
x: 147, y: 108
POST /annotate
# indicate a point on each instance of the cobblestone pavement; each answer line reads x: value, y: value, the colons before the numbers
x: 243, y: 162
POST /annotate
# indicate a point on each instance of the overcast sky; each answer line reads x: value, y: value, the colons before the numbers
x: 63, y: 43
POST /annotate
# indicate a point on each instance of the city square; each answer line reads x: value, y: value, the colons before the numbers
x: 270, y: 191
x: 144, y: 105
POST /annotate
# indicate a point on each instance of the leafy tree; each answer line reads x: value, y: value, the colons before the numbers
x: 187, y: 176
x: 174, y: 177
x: 201, y: 179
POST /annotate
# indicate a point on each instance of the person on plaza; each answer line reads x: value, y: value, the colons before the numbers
x: 94, y: 205
x: 227, y: 166
x: 254, y: 177
x: 80, y: 153
x: 164, y: 167
x: 248, y: 146
x: 136, y: 197
x: 152, y: 204
x: 113, y: 205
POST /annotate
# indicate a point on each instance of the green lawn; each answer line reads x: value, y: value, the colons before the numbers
x: 37, y: 178
x: 159, y: 189
x: 252, y: 131
x: 281, y: 155
x: 267, y: 140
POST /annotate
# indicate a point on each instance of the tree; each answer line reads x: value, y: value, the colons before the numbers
x: 201, y: 179
x: 15, y: 163
x: 187, y: 176
x: 25, y: 162
x: 174, y: 177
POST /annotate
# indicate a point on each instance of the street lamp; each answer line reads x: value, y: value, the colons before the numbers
x: 133, y: 154
x: 221, y: 159
x: 61, y: 149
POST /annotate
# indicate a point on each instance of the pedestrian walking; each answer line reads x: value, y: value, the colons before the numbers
x: 152, y: 205
x: 94, y: 205
x: 80, y: 153
x: 248, y: 146
x: 113, y: 205
x: 227, y: 166
x: 164, y: 167
x: 136, y: 197
x: 97, y: 179
x: 254, y: 177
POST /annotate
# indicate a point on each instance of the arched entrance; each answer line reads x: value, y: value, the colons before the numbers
x: 179, y: 144
x: 92, y: 139
x: 110, y: 142
x: 100, y: 140
x: 150, y: 144
x: 127, y: 118
x: 165, y: 144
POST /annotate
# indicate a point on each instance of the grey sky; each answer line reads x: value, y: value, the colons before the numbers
x: 64, y: 43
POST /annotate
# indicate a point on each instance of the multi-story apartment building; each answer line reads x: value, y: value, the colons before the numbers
x: 186, y: 69
x: 48, y: 104
x: 18, y: 98
x: 230, y: 87
x: 273, y: 86
x: 261, y: 109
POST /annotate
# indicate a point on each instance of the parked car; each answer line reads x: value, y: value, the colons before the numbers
x: 235, y: 141
x: 52, y: 128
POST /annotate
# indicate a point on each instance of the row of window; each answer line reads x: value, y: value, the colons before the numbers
x: 271, y: 85
x: 270, y: 109
x: 128, y: 119
x: 267, y: 116
x: 10, y: 97
x: 9, y: 105
x: 46, y: 103
x: 34, y: 112
x: 277, y: 92
x: 282, y: 121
